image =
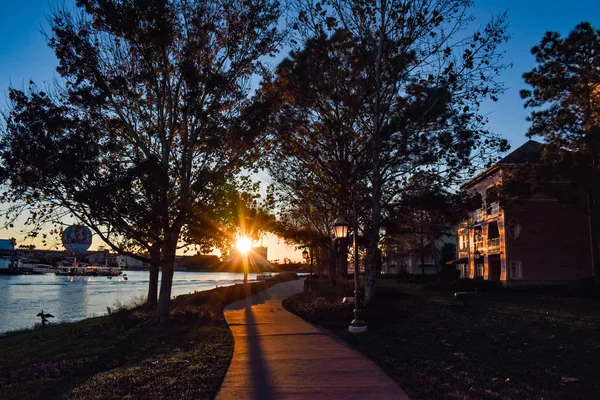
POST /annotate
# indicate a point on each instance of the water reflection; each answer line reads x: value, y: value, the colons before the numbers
x: 74, y: 298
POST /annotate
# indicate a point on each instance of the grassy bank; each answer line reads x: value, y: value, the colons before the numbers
x: 122, y: 356
x: 502, y: 346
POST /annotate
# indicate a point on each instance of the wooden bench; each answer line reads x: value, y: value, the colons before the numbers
x: 464, y: 297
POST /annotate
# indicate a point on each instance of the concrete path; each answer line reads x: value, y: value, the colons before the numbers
x: 278, y: 355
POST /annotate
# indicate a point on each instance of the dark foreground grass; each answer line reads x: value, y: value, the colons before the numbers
x: 123, y: 356
x: 502, y: 346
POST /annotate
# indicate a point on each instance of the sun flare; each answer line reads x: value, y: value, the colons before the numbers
x: 244, y: 245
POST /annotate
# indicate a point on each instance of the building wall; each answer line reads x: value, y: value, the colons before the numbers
x: 553, y: 243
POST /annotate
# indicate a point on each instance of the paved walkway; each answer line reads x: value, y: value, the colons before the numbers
x: 278, y: 355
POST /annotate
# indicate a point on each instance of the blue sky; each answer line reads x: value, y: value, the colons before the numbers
x: 24, y: 54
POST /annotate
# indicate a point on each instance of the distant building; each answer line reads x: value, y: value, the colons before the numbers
x: 538, y: 241
x: 101, y: 257
x: 124, y: 261
x: 410, y: 262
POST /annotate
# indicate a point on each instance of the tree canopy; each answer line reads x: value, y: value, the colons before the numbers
x: 151, y: 119
x: 565, y: 102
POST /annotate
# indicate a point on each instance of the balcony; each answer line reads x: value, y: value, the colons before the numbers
x: 494, y: 245
x: 493, y: 209
x: 477, y: 216
x: 479, y: 245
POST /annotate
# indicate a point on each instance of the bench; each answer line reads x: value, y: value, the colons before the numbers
x: 464, y: 297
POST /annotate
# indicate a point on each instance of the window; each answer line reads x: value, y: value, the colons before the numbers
x: 462, y: 242
x: 514, y: 270
x: 514, y: 228
x: 491, y: 201
x: 466, y: 271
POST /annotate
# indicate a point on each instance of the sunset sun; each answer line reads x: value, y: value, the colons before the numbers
x: 244, y: 245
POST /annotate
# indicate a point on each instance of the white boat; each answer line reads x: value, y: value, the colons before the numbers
x: 264, y: 277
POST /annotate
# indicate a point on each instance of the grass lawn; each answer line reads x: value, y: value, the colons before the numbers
x: 122, y: 356
x: 502, y: 346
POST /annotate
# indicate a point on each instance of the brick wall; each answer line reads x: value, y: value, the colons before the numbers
x: 553, y: 245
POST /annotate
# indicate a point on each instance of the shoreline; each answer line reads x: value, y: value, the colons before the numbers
x: 121, y: 355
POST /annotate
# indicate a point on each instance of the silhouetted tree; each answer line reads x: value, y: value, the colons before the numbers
x: 417, y: 85
x: 152, y: 114
x: 565, y: 96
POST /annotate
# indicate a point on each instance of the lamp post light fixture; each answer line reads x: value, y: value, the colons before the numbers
x: 305, y: 255
x: 340, y: 229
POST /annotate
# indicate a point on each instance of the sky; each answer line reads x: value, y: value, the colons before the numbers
x: 24, y: 56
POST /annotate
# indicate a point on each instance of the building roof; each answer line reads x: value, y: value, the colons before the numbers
x: 529, y: 152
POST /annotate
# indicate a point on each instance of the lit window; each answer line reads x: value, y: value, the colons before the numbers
x: 515, y: 270
x: 467, y: 271
x: 514, y: 228
x: 462, y: 242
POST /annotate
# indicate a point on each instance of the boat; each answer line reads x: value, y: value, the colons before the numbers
x: 264, y: 276
x: 87, y: 271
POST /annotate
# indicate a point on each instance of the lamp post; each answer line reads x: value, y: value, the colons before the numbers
x: 305, y: 255
x: 340, y: 229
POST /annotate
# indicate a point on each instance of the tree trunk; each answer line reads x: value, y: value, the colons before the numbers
x: 331, y: 262
x: 152, y: 300
x: 594, y: 224
x: 422, y: 256
x: 342, y: 261
x: 168, y: 268
x: 373, y: 243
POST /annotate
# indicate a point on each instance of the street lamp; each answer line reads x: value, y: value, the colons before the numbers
x: 305, y: 255
x: 340, y: 229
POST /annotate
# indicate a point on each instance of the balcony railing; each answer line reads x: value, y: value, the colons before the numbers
x: 477, y: 215
x: 494, y: 245
x: 479, y: 245
x: 493, y: 209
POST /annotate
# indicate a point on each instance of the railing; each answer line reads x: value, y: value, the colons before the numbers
x: 477, y: 215
x: 494, y: 245
x: 479, y: 245
x: 493, y: 209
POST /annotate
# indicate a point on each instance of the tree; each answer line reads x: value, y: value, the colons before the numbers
x: 422, y: 79
x: 157, y: 92
x: 316, y: 154
x: 424, y: 216
x: 565, y: 98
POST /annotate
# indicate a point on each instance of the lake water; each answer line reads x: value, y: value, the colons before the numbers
x: 75, y: 298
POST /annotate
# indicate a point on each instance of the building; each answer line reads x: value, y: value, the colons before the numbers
x: 129, y: 262
x: 539, y: 241
x: 100, y: 257
x: 409, y: 262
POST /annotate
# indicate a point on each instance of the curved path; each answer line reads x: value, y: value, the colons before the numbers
x: 278, y: 355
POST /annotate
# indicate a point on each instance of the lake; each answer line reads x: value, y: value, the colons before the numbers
x: 71, y: 298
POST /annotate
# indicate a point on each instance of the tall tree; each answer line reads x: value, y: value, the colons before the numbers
x: 160, y: 90
x: 565, y: 98
x: 316, y: 156
x: 424, y: 72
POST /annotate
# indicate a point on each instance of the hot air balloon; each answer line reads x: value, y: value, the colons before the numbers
x: 77, y: 239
